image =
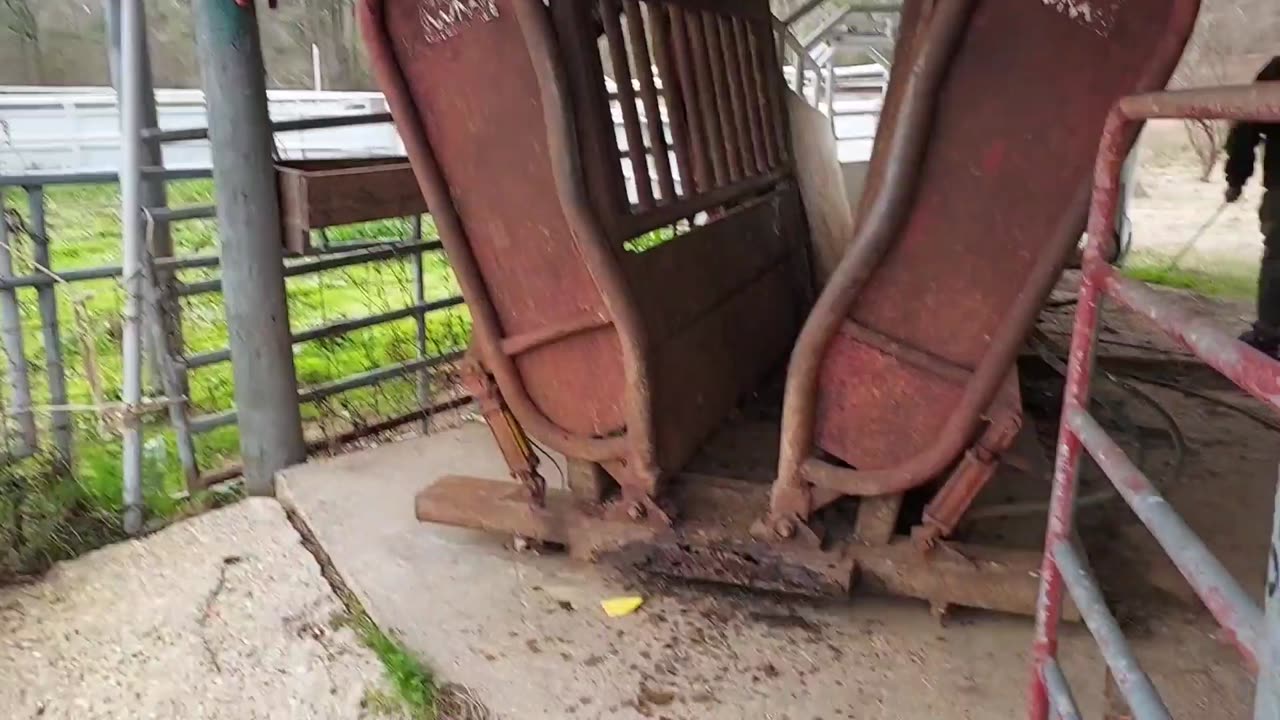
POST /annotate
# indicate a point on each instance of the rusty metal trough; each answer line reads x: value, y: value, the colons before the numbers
x: 634, y: 298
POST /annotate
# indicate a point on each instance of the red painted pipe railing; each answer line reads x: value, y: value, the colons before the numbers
x: 1257, y: 374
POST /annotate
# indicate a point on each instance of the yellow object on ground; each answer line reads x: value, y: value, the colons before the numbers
x: 621, y: 606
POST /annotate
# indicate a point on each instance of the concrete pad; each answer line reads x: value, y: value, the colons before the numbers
x: 222, y: 616
x: 526, y: 633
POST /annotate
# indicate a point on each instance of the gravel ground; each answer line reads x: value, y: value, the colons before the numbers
x: 223, y: 616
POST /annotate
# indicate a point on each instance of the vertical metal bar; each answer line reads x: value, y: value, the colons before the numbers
x: 724, y: 115
x: 776, y: 93
x: 699, y: 141
x: 797, y: 77
x: 829, y: 91
x: 1266, y: 700
x: 649, y: 96
x: 737, y: 95
x: 132, y: 238
x: 1061, y: 699
x: 609, y: 10
x: 47, y: 300
x: 1134, y: 683
x: 1065, y: 476
x: 751, y: 95
x: 251, y: 247
x: 153, y: 193
x: 705, y: 105
x: 14, y: 347
x: 673, y: 94
x: 763, y: 71
x: 172, y: 375
x: 420, y: 321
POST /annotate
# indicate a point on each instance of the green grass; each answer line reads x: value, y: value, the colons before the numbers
x: 1226, y: 279
x: 413, y: 689
x: 84, y: 230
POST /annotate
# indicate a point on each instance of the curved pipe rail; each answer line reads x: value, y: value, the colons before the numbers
x: 884, y: 219
x: 797, y: 467
x: 486, y: 326
x: 588, y: 232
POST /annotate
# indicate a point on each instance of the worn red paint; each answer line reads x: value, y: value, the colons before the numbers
x: 1252, y: 371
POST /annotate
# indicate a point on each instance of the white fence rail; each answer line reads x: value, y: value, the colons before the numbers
x: 56, y: 130
x: 77, y: 129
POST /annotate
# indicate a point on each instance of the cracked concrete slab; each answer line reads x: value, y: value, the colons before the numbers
x: 223, y: 616
x: 526, y: 634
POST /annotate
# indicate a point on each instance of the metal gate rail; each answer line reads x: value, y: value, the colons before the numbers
x: 1252, y: 371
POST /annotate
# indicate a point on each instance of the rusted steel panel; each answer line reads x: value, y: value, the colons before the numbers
x: 960, y: 257
x: 920, y: 399
x: 684, y: 278
x: 736, y: 343
x: 511, y: 223
x: 961, y: 241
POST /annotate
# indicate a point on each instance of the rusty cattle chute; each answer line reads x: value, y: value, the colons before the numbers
x: 644, y: 303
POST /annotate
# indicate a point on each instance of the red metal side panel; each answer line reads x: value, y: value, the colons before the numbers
x: 478, y: 100
x: 1017, y: 126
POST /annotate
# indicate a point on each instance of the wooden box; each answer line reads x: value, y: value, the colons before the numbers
x: 317, y: 194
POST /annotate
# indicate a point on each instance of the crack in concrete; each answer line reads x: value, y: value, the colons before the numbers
x: 206, y: 609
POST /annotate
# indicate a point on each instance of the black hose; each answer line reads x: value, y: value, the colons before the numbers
x: 1174, y: 430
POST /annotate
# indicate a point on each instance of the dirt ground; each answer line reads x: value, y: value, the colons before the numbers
x: 1173, y: 203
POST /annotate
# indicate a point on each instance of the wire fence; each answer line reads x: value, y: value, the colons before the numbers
x: 374, y: 309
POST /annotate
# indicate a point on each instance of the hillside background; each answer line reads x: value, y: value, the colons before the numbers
x: 60, y: 42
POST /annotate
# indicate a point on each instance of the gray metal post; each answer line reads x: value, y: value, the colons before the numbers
x: 420, y: 320
x: 47, y: 299
x: 14, y: 350
x: 830, y: 92
x: 131, y: 126
x: 175, y: 380
x: 251, y: 246
x: 1266, y: 703
x: 153, y: 193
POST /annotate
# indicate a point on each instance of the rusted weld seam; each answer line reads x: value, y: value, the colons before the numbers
x: 524, y: 342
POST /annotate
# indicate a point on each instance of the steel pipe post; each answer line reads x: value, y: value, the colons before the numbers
x: 11, y: 342
x: 47, y: 300
x: 131, y: 162
x: 1266, y: 704
x: 251, y: 246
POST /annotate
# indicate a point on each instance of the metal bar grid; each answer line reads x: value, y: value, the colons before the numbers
x: 1249, y: 369
x: 335, y: 329
x: 206, y: 423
